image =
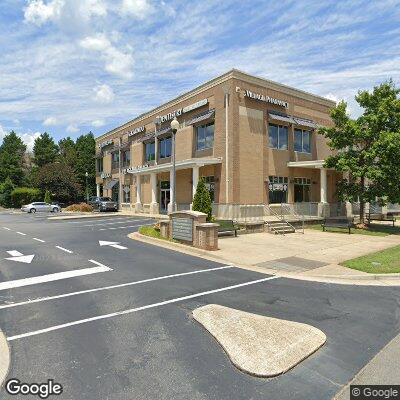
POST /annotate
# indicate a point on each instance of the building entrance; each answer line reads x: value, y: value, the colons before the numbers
x: 165, y: 196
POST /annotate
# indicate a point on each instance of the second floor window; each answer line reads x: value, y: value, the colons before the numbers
x: 99, y: 165
x: 165, y: 147
x: 115, y: 160
x: 149, y: 149
x: 302, y: 141
x: 278, y: 137
x: 126, y: 158
x: 205, y: 136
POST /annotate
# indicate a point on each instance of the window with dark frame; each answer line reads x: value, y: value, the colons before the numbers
x: 278, y: 136
x: 302, y: 190
x: 210, y: 185
x: 115, y: 160
x: 150, y: 153
x: 205, y: 136
x: 99, y: 165
x: 126, y: 193
x: 302, y: 140
x: 165, y: 146
x: 277, y: 196
x: 126, y: 158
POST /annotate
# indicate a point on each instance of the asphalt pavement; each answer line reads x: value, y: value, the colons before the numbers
x: 114, y: 321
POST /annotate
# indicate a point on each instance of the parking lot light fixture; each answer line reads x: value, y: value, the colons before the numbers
x: 174, y: 128
x: 87, y: 192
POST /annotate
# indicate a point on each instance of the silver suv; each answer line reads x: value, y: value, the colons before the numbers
x: 103, y: 204
x: 40, y: 206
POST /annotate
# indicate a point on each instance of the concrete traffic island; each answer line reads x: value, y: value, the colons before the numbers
x: 4, y: 358
x: 260, y: 346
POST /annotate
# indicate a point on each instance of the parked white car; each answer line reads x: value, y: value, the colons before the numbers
x: 40, y: 206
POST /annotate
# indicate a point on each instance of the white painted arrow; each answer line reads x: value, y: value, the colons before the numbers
x: 112, y: 244
x: 19, y: 257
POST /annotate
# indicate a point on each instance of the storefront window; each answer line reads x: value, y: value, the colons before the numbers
x: 165, y: 147
x: 277, y: 186
x: 126, y: 193
x: 278, y: 136
x: 302, y: 141
x: 205, y: 136
x: 302, y: 190
x: 210, y: 185
x: 150, y: 151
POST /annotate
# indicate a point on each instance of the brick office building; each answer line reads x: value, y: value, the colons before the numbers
x: 253, y: 140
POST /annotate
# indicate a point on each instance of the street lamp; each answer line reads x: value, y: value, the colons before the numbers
x: 87, y: 193
x: 174, y: 127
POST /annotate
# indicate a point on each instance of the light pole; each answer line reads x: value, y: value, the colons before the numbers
x: 87, y: 193
x: 174, y: 127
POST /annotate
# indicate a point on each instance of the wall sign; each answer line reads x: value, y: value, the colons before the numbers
x: 180, y: 111
x: 104, y: 175
x: 279, y: 187
x: 261, y: 97
x: 182, y: 229
x: 139, y: 129
x: 106, y: 143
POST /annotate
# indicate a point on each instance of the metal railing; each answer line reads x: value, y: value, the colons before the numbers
x: 284, y: 211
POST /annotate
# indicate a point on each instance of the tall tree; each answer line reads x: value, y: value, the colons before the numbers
x: 85, y: 152
x: 67, y: 151
x: 368, y: 148
x: 12, y: 153
x: 45, y: 150
x: 60, y: 180
x: 202, y: 199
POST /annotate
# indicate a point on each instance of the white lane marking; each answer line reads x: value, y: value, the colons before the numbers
x: 7, y: 229
x: 116, y: 245
x: 132, y: 310
x: 99, y: 264
x: 52, y: 277
x: 98, y: 220
x: 63, y: 249
x: 21, y: 233
x: 120, y: 222
x: 14, y: 253
x: 124, y: 227
x: 121, y: 285
x: 39, y: 240
x: 21, y: 258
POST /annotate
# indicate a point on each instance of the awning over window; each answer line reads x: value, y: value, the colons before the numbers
x: 305, y: 122
x: 110, y: 184
x: 201, y: 117
x: 281, y: 117
x: 163, y: 131
x: 147, y: 137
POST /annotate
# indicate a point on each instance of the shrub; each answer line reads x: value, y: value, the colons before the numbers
x: 202, y: 199
x: 6, y: 189
x: 81, y: 207
x: 24, y: 195
x: 47, y: 197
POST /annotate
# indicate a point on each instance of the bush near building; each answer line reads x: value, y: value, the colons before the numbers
x: 81, y: 207
x: 202, y: 199
x: 47, y: 197
x: 24, y: 195
x: 6, y: 189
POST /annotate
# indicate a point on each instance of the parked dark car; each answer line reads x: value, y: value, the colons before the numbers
x: 103, y: 203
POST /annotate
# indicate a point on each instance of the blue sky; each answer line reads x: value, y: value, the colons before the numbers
x: 71, y: 66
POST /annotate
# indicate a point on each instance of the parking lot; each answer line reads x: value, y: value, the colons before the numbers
x: 110, y: 318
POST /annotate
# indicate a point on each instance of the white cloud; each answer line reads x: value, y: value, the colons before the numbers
x: 139, y: 9
x: 332, y: 97
x: 93, y: 8
x: 50, y: 121
x: 29, y: 139
x: 72, y: 128
x: 104, y: 94
x: 98, y: 123
x: 2, y: 133
x: 117, y: 62
x: 38, y: 12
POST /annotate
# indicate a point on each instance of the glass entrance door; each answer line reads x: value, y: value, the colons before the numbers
x: 165, y: 196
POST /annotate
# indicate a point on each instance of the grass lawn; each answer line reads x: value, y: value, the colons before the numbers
x: 372, y: 230
x: 152, y: 232
x: 382, y: 262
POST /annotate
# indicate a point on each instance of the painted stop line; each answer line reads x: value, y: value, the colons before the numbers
x: 19, y: 257
x: 116, y: 245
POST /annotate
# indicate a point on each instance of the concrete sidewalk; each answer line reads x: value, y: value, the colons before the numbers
x: 313, y: 256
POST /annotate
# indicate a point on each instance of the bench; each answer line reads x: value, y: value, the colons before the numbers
x: 226, y: 226
x: 347, y: 223
x: 381, y: 217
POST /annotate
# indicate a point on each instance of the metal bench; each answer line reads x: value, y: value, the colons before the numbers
x: 347, y: 223
x: 227, y: 226
x: 381, y: 217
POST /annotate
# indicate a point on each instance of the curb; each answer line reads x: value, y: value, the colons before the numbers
x: 372, y: 279
x: 4, y: 358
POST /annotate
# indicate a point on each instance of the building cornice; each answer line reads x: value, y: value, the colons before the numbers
x: 232, y: 74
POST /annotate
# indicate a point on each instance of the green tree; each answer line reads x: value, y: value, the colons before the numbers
x: 12, y: 153
x: 47, y: 197
x: 24, y: 195
x: 45, y: 151
x: 85, y: 162
x: 67, y: 151
x: 6, y: 188
x: 202, y: 199
x: 367, y: 148
x: 60, y: 180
